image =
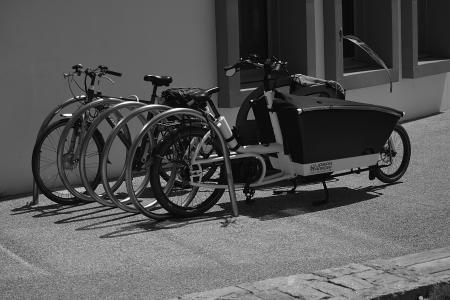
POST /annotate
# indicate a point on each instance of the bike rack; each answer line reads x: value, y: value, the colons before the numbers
x: 223, y: 144
x: 153, y: 121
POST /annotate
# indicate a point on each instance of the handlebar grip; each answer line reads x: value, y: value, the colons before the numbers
x: 113, y: 73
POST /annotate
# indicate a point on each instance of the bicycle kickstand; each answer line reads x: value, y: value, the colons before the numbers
x: 327, y: 196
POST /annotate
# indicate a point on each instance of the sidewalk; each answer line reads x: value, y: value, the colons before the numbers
x: 271, y: 251
x: 406, y: 277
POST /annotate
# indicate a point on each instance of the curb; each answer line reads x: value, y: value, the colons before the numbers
x: 405, y: 277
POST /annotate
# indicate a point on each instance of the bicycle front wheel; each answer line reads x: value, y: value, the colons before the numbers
x: 170, y: 173
x: 45, y: 169
x: 395, y: 156
x: 68, y: 161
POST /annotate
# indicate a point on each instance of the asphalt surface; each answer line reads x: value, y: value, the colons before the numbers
x: 91, y: 251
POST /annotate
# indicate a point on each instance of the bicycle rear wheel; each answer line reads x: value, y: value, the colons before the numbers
x: 170, y: 173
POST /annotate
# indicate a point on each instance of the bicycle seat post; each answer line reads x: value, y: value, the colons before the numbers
x: 157, y: 81
x: 153, y: 96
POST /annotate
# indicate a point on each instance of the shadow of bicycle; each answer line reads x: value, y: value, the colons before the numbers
x: 263, y: 209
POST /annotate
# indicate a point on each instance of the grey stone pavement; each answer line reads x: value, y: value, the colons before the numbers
x: 406, y: 277
x: 371, y: 240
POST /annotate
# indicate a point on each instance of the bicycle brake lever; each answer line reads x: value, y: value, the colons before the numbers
x: 109, y: 79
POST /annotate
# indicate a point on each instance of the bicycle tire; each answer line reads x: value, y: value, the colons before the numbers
x: 53, y: 191
x: 172, y: 150
x: 398, y: 145
x: 69, y: 159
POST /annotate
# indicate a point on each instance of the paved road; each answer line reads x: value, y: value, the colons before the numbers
x: 91, y: 251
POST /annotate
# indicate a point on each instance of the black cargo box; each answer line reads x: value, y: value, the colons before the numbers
x: 321, y: 129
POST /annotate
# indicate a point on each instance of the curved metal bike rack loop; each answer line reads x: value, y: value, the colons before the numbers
x: 69, y: 125
x: 89, y: 133
x: 111, y: 137
x: 226, y: 152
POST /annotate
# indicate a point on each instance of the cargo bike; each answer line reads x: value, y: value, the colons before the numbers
x: 302, y: 139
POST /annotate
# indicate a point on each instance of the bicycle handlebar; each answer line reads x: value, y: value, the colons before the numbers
x: 270, y: 65
x: 113, y: 73
x: 99, y: 71
x: 104, y: 70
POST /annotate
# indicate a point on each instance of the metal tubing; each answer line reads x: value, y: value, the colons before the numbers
x: 138, y: 111
x: 35, y: 199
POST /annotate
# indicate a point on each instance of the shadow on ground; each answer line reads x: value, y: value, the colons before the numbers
x: 263, y: 208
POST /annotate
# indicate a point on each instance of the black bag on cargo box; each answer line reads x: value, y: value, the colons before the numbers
x: 302, y: 85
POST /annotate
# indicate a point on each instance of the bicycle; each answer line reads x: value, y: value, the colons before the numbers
x: 44, y: 167
x: 308, y: 139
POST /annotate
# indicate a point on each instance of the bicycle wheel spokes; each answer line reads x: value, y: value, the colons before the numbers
x: 44, y: 165
x: 71, y: 161
x: 393, y: 154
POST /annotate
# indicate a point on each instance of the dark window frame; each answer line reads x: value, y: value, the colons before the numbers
x: 411, y: 67
x: 227, y: 42
x: 334, y: 66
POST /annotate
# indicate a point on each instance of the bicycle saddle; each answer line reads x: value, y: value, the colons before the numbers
x: 159, y: 80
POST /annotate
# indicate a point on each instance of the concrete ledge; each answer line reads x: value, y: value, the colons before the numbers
x: 406, y: 277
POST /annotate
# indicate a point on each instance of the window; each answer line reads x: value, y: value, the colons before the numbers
x: 424, y: 49
x: 281, y: 28
x: 373, y: 21
x: 253, y: 36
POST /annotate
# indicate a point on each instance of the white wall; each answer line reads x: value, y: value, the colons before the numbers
x: 40, y: 40
x: 417, y: 97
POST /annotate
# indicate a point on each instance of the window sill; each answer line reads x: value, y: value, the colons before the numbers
x: 362, y: 79
x: 431, y: 67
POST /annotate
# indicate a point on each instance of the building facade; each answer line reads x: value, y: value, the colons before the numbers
x: 192, y: 41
